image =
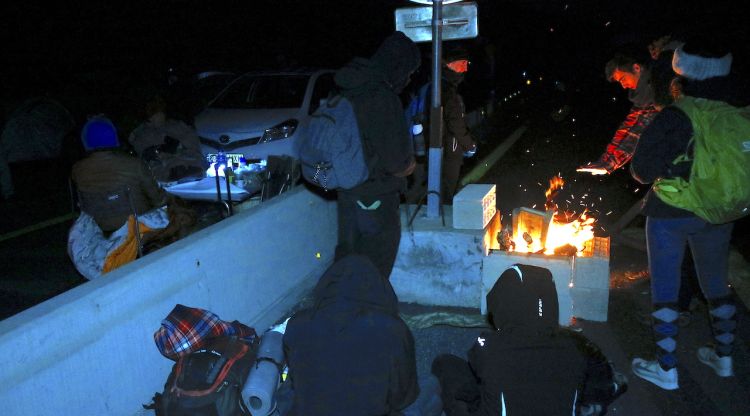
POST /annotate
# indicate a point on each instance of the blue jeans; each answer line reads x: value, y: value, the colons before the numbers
x: 666, y: 239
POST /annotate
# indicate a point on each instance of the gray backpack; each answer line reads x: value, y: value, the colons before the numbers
x: 332, y: 154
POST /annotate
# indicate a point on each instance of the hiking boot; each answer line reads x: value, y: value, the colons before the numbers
x: 652, y: 371
x: 721, y: 365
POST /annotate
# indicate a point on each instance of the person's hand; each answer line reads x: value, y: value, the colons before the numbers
x: 471, y: 152
x: 592, y: 168
x: 408, y: 171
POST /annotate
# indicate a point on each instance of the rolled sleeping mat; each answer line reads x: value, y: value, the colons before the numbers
x: 264, y: 378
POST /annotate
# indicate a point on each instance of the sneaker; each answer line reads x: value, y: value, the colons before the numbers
x: 721, y: 365
x: 652, y: 371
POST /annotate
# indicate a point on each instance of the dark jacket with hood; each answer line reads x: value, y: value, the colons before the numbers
x: 373, y: 85
x: 668, y: 136
x: 351, y: 354
x: 529, y: 365
x: 456, y: 135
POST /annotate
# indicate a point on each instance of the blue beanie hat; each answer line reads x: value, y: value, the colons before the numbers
x: 99, y: 133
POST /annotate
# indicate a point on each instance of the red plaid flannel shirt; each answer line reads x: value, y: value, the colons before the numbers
x: 188, y: 329
x: 620, y: 150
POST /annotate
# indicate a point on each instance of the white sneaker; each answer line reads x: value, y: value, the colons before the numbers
x: 652, y: 371
x: 721, y: 365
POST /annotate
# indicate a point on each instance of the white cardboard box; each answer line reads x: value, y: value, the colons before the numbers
x: 474, y: 206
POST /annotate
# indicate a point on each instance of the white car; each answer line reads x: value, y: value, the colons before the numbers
x: 261, y: 114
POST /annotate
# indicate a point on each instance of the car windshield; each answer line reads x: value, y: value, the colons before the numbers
x: 264, y: 91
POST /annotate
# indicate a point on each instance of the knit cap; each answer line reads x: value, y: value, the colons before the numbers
x: 700, y: 65
x: 99, y: 133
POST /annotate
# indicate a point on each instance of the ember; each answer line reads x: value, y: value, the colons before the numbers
x: 552, y: 232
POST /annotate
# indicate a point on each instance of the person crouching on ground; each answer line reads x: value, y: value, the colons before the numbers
x: 350, y: 353
x: 528, y: 365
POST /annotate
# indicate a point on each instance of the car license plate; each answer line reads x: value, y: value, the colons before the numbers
x: 234, y: 157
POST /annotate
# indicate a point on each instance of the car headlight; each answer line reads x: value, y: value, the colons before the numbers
x: 280, y: 131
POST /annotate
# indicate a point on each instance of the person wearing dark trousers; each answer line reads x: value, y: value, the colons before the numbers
x: 457, y: 139
x: 368, y: 215
x: 651, y: 85
x: 705, y: 71
x: 528, y: 365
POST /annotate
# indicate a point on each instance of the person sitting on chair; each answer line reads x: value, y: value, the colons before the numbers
x: 107, y: 168
x: 109, y: 179
x: 170, y: 147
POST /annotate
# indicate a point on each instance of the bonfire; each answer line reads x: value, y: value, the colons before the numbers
x: 550, y: 232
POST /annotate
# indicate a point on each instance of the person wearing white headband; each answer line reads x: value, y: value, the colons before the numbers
x: 704, y: 70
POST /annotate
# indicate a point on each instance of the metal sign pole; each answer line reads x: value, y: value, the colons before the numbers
x: 435, y: 156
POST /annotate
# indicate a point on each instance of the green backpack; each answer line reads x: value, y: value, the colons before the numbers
x: 718, y: 189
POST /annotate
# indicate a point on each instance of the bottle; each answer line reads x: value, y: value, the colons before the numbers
x: 229, y: 172
x: 221, y: 162
x: 221, y: 158
x: 417, y: 133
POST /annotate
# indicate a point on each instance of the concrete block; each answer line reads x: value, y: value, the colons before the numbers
x: 560, y: 266
x: 582, y: 283
x: 474, y: 206
x: 590, y: 304
x: 436, y: 264
x: 592, y: 272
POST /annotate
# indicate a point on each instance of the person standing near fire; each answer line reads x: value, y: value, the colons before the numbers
x: 457, y: 139
x: 705, y: 70
x: 633, y: 74
x: 369, y: 222
x: 650, y: 90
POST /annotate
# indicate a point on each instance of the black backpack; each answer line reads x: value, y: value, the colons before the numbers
x: 209, y: 381
x: 332, y: 154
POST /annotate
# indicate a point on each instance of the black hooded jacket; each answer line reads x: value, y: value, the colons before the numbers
x: 351, y: 354
x: 528, y: 366
x: 373, y: 85
x: 454, y: 115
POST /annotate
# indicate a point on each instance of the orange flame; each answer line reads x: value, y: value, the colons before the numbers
x: 564, y: 229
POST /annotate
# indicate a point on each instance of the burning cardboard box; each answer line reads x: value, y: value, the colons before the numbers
x: 565, y: 244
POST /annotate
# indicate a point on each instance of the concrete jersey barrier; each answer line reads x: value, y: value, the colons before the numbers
x: 90, y: 351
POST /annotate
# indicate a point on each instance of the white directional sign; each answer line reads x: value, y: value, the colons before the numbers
x: 459, y: 22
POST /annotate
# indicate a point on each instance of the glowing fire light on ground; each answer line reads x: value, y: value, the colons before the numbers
x: 565, y: 230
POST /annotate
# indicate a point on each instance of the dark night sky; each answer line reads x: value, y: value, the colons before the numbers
x: 46, y: 45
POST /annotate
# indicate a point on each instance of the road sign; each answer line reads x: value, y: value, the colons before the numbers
x: 459, y: 22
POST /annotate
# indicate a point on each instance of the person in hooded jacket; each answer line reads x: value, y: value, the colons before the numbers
x: 368, y: 216
x: 457, y: 139
x: 704, y: 69
x: 350, y: 354
x: 528, y: 365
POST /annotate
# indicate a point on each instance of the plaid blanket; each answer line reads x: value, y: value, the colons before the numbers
x: 188, y: 329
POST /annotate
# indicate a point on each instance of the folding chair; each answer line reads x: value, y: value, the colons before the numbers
x: 282, y: 173
x: 116, y: 202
